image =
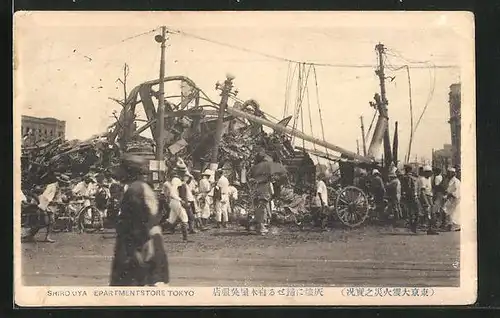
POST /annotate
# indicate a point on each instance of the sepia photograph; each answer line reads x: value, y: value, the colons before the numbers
x: 244, y: 158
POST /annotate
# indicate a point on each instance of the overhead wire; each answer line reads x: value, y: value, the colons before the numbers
x: 279, y: 58
x: 302, y: 85
x: 288, y: 87
x: 310, y: 116
x: 90, y: 55
x: 432, y: 78
x: 432, y: 84
x: 287, y: 82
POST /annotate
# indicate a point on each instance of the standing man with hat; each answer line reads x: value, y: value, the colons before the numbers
x: 188, y: 196
x: 204, y: 188
x: 221, y: 198
x: 172, y: 190
x: 426, y: 199
x: 409, y: 195
x: 139, y: 257
x: 452, y: 197
x: 44, y: 216
x: 394, y: 195
x: 378, y: 192
x: 438, y: 191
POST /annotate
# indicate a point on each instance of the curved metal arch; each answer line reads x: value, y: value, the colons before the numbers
x: 143, y: 90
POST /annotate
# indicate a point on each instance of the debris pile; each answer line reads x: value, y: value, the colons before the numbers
x: 72, y: 158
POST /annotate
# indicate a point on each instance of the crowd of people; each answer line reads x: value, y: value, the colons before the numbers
x: 425, y: 199
x: 192, y: 198
x: 140, y: 258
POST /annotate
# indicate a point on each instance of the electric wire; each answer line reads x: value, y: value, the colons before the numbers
x: 280, y: 58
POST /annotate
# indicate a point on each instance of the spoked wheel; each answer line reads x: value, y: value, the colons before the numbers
x: 89, y: 219
x: 352, y: 206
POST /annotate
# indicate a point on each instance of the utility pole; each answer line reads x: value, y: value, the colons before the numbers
x: 124, y: 83
x: 160, y: 119
x: 226, y: 90
x: 383, y: 103
x: 125, y: 75
x: 363, y: 136
x: 395, y: 145
x: 357, y: 146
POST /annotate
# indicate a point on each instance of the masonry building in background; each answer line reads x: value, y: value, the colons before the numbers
x: 34, y: 129
x: 455, y: 117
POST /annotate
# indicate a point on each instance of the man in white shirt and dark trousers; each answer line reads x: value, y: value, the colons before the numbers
x: 320, y: 202
x: 425, y: 195
x: 188, y: 197
x: 176, y: 203
x: 452, y: 201
x: 438, y: 191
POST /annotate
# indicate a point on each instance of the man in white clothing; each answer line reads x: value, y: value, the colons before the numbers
x: 189, y: 198
x: 320, y: 201
x: 171, y: 191
x: 452, y: 196
x: 221, y: 199
x: 44, y: 216
x: 424, y: 186
x: 204, y: 188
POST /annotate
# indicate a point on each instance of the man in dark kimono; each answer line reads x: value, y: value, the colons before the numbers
x: 140, y: 258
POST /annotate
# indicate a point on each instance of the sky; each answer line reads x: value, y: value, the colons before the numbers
x: 67, y: 65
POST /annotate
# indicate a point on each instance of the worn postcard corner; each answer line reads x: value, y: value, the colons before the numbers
x: 244, y: 158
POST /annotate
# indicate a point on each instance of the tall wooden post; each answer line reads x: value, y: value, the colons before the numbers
x: 225, y: 92
x: 160, y: 119
x: 363, y: 136
x: 383, y: 107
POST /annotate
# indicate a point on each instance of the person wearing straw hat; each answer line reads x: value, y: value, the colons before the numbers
x: 426, y: 199
x: 378, y: 191
x: 139, y: 256
x: 394, y: 195
x: 204, y: 188
x: 221, y: 199
x: 193, y: 200
x: 188, y: 196
x: 438, y: 191
x: 44, y: 216
x: 452, y: 197
x: 409, y: 195
x: 172, y: 190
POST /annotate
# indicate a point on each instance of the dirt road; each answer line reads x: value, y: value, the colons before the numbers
x: 364, y: 256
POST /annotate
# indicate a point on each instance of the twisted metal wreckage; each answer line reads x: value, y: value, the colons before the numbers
x: 190, y: 128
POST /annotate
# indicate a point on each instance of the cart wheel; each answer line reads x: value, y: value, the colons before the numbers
x: 352, y: 206
x: 89, y: 219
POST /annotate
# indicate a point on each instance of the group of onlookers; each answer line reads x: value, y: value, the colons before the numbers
x: 425, y: 198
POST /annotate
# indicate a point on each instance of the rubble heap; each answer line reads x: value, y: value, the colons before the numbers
x: 72, y: 158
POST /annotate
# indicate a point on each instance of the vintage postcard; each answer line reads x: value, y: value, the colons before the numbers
x: 244, y: 158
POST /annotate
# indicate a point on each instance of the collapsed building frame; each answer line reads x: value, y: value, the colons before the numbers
x: 190, y: 128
